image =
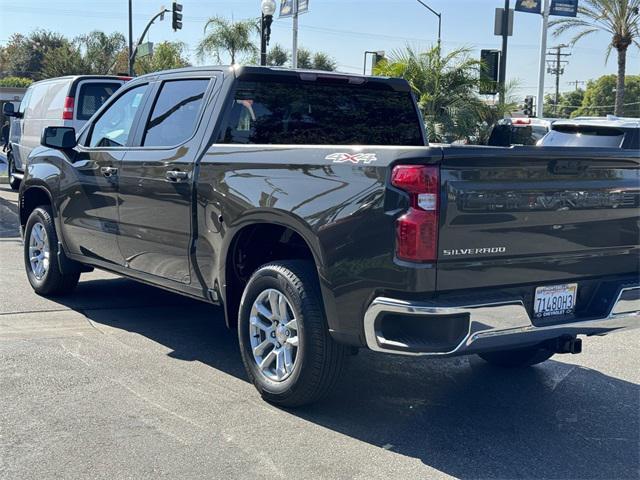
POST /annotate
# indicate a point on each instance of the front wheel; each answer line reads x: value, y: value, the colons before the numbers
x: 40, y: 259
x: 14, y: 182
x: 521, y: 357
x: 284, y: 338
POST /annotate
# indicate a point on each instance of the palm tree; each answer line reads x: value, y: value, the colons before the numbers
x: 233, y: 38
x: 445, y: 87
x: 618, y: 18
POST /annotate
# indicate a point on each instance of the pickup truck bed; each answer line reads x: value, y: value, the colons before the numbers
x: 368, y: 239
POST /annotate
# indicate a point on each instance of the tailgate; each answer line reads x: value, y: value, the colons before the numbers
x: 531, y: 215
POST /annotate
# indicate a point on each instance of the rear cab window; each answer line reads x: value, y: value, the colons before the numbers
x: 92, y: 95
x: 286, y: 110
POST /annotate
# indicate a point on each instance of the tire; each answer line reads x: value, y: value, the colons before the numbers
x: 49, y: 280
x: 317, y: 360
x: 518, y: 358
x: 14, y: 182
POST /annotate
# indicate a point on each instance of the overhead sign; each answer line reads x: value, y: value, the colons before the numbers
x: 145, y: 49
x: 564, y: 8
x: 529, y: 6
x: 287, y: 6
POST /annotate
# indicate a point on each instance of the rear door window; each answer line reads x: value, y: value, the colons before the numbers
x: 175, y: 113
x: 92, y: 96
x: 290, y: 111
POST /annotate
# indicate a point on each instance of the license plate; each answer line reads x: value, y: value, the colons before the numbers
x: 555, y: 300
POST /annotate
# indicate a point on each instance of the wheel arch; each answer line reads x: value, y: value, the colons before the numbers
x: 282, y: 236
x: 32, y: 196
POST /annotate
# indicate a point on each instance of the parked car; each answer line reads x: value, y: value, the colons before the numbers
x: 519, y: 131
x: 594, y: 132
x: 63, y: 101
x: 308, y: 205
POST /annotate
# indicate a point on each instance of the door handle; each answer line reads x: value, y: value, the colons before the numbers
x: 176, y: 175
x: 109, y: 171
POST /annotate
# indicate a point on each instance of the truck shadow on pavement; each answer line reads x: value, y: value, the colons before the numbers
x: 459, y: 416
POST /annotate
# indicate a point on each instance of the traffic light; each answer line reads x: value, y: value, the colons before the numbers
x: 176, y: 18
x: 489, y: 63
x: 528, y: 106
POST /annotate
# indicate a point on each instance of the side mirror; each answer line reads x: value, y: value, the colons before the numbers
x: 61, y: 138
x: 9, y: 110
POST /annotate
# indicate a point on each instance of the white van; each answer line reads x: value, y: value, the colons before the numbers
x: 63, y: 101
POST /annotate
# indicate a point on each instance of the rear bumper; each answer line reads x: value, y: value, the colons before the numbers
x: 480, y: 328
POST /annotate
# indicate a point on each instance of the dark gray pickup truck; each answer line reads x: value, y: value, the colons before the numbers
x: 310, y: 207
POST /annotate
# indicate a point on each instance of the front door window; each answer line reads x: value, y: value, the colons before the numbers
x: 114, y: 126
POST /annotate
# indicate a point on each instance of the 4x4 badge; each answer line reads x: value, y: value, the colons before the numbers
x: 352, y: 157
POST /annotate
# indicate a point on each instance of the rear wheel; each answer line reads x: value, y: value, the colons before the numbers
x: 284, y: 338
x: 14, y: 182
x: 521, y: 357
x: 40, y: 259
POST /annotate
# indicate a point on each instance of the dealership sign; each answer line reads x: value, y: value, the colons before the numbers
x: 287, y: 6
x: 564, y: 8
x: 529, y: 6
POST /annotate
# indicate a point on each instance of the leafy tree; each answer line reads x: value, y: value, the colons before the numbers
x: 19, y: 82
x: 570, y: 102
x: 166, y: 55
x: 222, y: 36
x: 445, y: 87
x: 600, y: 96
x: 486, y: 115
x: 322, y: 61
x: 315, y: 61
x: 64, y: 60
x: 100, y: 51
x: 305, y: 59
x: 277, y: 56
x: 618, y: 18
x: 25, y: 55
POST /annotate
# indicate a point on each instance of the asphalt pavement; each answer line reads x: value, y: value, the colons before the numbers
x: 122, y: 380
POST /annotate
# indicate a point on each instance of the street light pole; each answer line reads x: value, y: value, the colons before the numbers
x: 439, y: 15
x: 502, y: 76
x: 130, y: 55
x: 294, y: 47
x: 268, y: 9
x: 543, y: 56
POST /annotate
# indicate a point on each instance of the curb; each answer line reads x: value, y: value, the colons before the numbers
x: 4, y: 180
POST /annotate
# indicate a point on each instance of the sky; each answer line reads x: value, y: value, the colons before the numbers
x: 342, y: 28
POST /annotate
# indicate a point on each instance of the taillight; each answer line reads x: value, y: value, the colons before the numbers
x: 417, y: 230
x: 67, y: 110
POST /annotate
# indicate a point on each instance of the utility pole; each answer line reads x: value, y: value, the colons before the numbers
x: 130, y: 53
x: 294, y: 48
x: 543, y: 52
x: 502, y: 76
x: 556, y: 67
x: 576, y: 83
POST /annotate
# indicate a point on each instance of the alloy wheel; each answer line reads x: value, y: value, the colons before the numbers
x: 39, y: 251
x: 273, y: 330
